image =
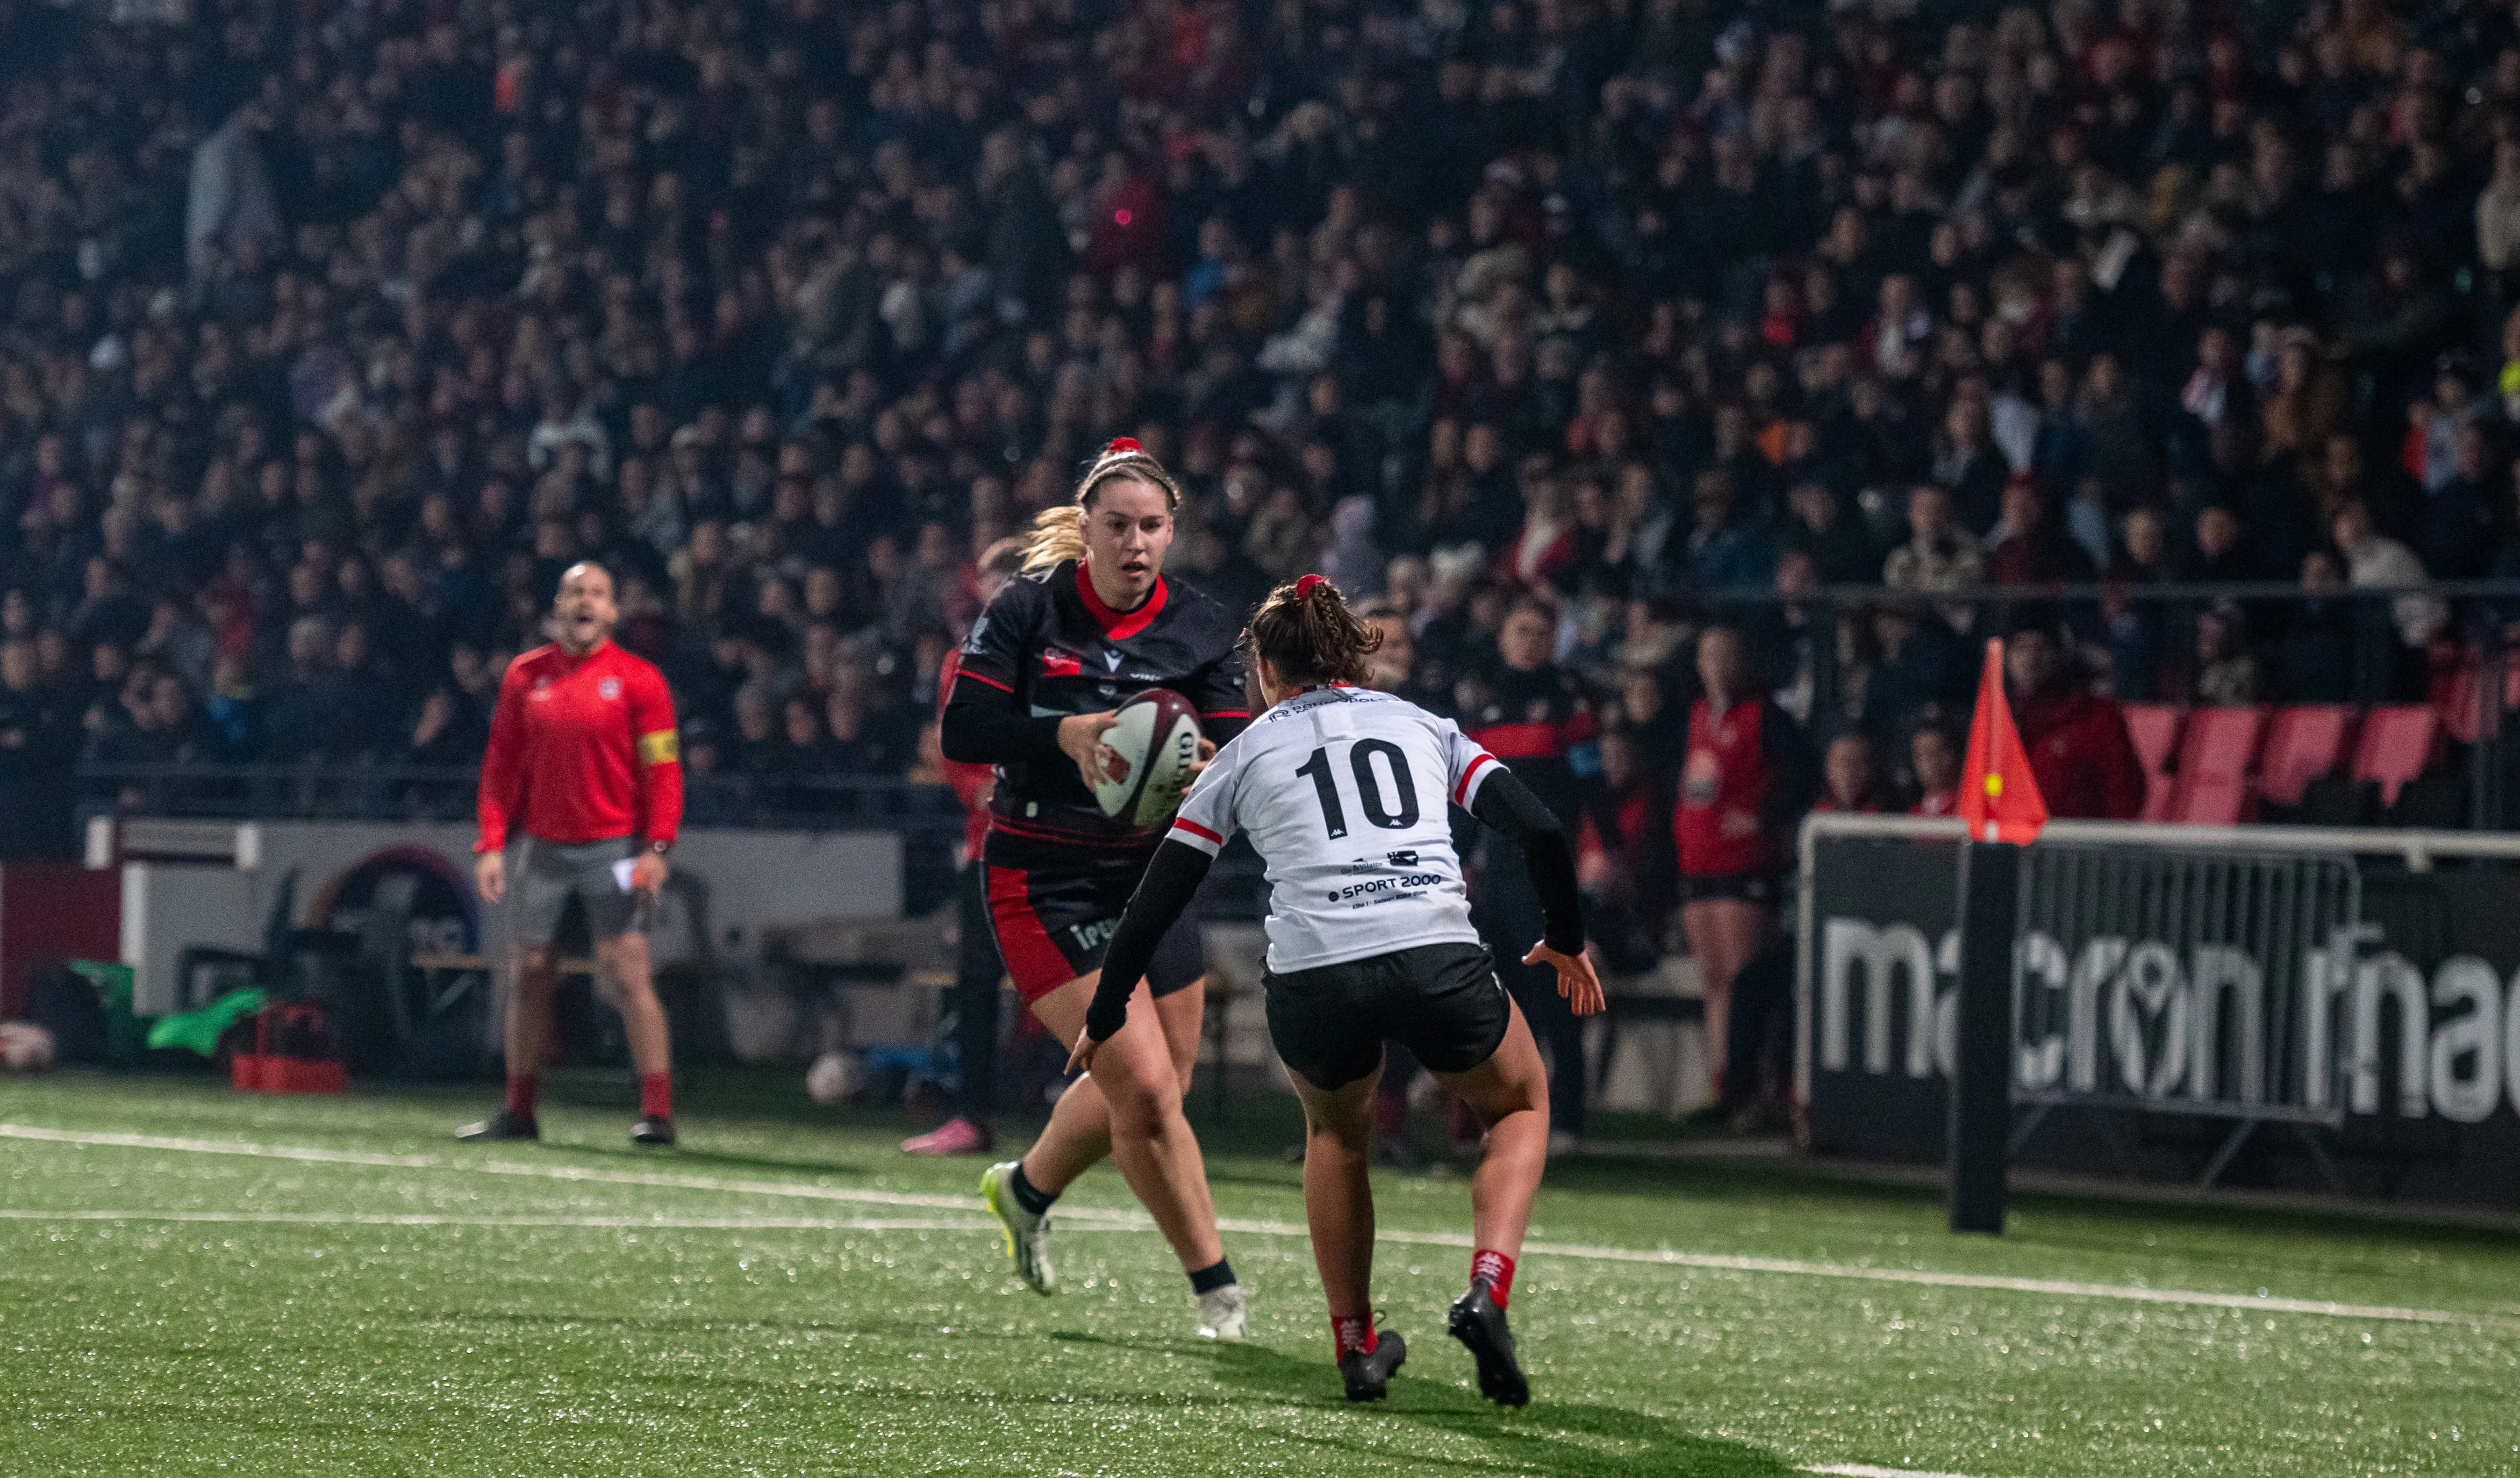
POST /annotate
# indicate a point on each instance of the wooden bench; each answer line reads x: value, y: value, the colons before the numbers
x: 442, y: 959
x: 1623, y: 1009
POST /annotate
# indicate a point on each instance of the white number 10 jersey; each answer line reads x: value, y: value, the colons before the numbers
x: 1344, y: 792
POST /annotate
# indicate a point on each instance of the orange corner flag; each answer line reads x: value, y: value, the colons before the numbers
x: 1999, y: 796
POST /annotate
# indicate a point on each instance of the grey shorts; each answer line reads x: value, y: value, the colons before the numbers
x: 553, y: 873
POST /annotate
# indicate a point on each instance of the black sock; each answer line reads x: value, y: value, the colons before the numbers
x: 1209, y: 1279
x: 1027, y: 1195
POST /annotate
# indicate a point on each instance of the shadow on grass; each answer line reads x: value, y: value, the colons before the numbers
x: 1570, y: 1439
x: 1566, y: 1439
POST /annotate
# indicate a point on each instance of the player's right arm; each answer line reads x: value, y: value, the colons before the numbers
x: 986, y: 721
x: 1493, y: 794
x: 502, y: 793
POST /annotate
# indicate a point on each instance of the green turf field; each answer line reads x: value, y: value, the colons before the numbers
x: 785, y: 1294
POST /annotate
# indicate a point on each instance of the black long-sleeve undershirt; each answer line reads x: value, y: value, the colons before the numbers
x: 982, y: 726
x: 1176, y: 870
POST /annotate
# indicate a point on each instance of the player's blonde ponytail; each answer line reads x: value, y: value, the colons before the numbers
x: 1058, y: 533
x: 1310, y: 635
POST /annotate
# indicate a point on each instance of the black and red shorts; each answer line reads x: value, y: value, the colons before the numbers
x: 1056, y: 905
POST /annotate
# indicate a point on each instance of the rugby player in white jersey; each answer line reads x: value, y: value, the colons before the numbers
x: 1345, y: 792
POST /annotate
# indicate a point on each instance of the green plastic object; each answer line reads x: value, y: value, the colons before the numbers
x: 125, y: 1035
x: 200, y: 1030
x: 112, y: 979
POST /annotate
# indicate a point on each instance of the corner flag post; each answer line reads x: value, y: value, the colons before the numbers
x: 1999, y: 801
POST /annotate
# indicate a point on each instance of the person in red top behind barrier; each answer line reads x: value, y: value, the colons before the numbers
x: 2080, y: 751
x: 972, y: 1007
x: 583, y: 762
x: 1748, y: 779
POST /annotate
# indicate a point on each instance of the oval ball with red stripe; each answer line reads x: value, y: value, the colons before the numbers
x: 1157, y: 739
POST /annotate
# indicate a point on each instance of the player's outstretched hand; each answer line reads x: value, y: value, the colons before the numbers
x: 1081, y: 1060
x: 1575, y: 978
x: 1080, y: 735
x: 490, y: 876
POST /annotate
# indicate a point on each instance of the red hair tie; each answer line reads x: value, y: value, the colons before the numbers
x: 1123, y: 445
x: 1305, y: 587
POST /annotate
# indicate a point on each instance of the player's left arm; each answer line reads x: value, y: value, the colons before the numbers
x: 1504, y: 802
x: 660, y: 773
x: 1172, y: 879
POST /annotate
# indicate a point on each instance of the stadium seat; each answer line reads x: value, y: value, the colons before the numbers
x: 2461, y: 696
x: 2215, y: 755
x: 2399, y: 743
x: 2154, y: 727
x: 2303, y: 745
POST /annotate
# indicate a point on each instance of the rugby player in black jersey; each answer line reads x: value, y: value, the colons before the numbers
x: 1088, y: 623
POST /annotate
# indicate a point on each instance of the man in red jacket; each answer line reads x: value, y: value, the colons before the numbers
x: 2079, y: 748
x: 584, y: 762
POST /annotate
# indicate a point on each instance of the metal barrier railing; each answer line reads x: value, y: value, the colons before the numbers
x: 330, y: 792
x: 2155, y: 978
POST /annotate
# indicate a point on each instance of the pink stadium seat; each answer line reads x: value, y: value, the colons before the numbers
x: 2463, y: 698
x: 2154, y: 727
x: 2214, y: 759
x: 2399, y: 743
x: 2303, y: 745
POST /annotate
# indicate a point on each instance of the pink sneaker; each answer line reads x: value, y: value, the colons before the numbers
x: 957, y: 1136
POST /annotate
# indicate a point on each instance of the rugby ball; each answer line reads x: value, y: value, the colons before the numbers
x: 1157, y: 742
x: 833, y: 1078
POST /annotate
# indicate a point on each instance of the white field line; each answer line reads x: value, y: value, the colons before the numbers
x: 431, y: 1219
x: 314, y: 1155
x: 1096, y: 1218
x: 1867, y: 1470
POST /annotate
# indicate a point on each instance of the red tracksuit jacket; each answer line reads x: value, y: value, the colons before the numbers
x: 2081, y: 756
x: 581, y: 749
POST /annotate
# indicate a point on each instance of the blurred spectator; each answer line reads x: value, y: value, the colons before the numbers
x: 2077, y: 742
x: 790, y: 315
x: 1937, y: 555
x: 1934, y: 758
x: 2372, y: 558
x: 2315, y: 659
x: 1851, y: 780
x: 2226, y: 673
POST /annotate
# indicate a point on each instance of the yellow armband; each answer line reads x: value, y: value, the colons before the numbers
x: 659, y: 748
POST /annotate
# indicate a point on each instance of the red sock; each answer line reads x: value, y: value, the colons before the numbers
x: 656, y: 1096
x: 1353, y: 1331
x: 520, y: 1095
x: 1495, y: 1270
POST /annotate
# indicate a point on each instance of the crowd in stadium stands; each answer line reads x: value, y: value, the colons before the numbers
x: 330, y: 334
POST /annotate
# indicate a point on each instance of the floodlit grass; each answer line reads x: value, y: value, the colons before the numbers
x: 790, y: 1300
